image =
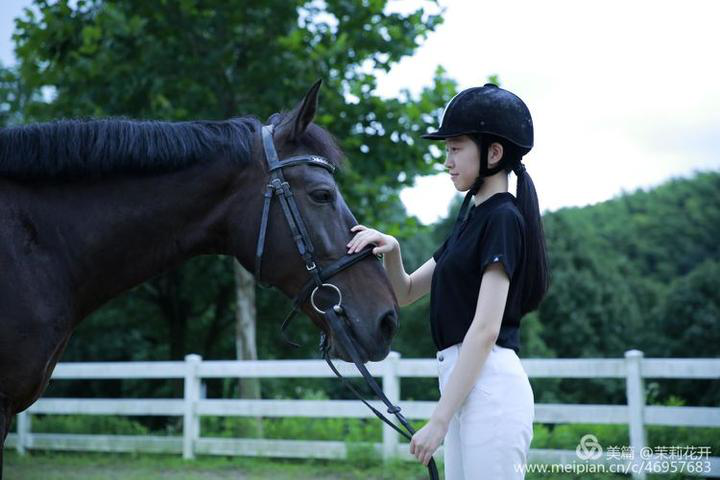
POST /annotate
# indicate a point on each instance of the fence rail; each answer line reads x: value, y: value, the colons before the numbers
x: 633, y: 368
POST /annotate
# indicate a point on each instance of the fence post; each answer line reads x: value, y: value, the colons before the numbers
x: 23, y: 431
x: 391, y: 389
x: 636, y: 405
x: 191, y: 422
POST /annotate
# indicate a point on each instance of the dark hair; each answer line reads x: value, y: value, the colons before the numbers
x: 537, y: 281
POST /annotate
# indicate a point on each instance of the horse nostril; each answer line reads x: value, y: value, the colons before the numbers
x: 388, y: 325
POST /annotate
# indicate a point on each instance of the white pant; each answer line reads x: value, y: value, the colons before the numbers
x: 489, y: 436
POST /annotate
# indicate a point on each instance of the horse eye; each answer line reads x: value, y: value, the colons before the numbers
x: 322, y: 196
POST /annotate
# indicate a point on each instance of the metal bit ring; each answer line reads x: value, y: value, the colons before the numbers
x: 312, y: 297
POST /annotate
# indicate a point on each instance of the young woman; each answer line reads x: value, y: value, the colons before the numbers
x: 488, y: 273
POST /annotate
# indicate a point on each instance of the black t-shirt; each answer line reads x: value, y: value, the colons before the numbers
x: 494, y: 231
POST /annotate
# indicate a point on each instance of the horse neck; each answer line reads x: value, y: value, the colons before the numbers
x: 114, y: 234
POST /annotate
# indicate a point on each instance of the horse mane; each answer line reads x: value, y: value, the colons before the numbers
x: 79, y: 148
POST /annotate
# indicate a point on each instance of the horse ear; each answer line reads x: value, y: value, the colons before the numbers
x: 297, y: 121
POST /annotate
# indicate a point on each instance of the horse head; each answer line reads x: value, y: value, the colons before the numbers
x: 322, y: 232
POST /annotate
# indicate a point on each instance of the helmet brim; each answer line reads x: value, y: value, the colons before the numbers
x: 441, y: 135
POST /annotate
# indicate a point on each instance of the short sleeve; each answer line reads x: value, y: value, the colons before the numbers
x: 502, y: 241
x: 440, y: 250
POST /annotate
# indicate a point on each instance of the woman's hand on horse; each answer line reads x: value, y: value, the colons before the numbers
x: 364, y: 235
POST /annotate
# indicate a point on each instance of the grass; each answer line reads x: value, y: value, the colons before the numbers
x: 362, y: 464
x: 92, y: 466
x: 97, y: 466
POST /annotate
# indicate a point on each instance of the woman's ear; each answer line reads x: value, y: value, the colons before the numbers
x: 495, y: 154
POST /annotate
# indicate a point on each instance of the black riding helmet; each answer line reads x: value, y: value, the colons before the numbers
x: 487, y: 114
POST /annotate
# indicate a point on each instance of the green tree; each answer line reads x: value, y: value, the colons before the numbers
x: 632, y: 272
x: 12, y: 95
x: 689, y: 312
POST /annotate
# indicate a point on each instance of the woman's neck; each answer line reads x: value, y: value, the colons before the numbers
x: 491, y: 185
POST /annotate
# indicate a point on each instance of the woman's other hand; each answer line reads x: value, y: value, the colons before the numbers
x: 428, y: 439
x: 364, y: 235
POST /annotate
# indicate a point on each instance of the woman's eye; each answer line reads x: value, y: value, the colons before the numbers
x: 322, y: 196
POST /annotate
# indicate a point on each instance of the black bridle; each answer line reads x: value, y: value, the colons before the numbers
x: 335, y: 316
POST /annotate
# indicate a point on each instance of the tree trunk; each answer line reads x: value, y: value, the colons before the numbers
x: 245, y: 321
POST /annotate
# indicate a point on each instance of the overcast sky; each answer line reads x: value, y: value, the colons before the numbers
x: 623, y: 94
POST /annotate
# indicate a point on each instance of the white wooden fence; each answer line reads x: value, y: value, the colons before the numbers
x: 633, y: 368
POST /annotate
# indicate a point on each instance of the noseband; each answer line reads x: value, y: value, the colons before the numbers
x: 277, y: 185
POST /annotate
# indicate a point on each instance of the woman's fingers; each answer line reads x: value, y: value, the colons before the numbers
x: 353, y: 241
x: 358, y: 229
x: 358, y: 243
x: 364, y: 235
x: 360, y: 240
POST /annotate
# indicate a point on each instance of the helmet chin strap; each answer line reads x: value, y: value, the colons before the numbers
x: 484, y: 170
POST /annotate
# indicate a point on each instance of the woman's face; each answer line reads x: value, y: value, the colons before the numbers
x: 462, y: 161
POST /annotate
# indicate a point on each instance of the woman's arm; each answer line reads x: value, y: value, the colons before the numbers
x: 408, y: 288
x: 477, y: 343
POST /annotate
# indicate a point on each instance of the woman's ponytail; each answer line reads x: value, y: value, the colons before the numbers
x: 536, y: 278
x: 536, y: 274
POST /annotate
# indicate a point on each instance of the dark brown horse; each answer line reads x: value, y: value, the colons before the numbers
x: 91, y: 208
